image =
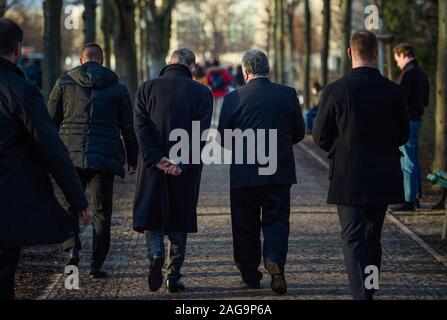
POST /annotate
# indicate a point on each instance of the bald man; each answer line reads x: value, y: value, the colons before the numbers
x: 92, y: 111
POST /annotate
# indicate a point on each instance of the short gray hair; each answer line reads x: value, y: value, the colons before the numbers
x: 183, y: 56
x: 256, y: 62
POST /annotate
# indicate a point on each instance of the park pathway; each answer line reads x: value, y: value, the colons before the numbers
x: 315, y: 268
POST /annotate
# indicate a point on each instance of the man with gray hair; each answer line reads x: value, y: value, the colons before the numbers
x: 167, y: 192
x: 262, y: 202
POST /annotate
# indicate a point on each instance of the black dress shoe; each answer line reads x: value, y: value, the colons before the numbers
x: 278, y: 283
x: 406, y: 207
x: 175, y: 287
x: 73, y: 258
x: 249, y: 286
x: 155, y: 275
x: 97, y: 274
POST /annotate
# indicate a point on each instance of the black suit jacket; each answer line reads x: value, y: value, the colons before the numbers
x: 362, y: 121
x: 262, y: 104
x: 415, y: 82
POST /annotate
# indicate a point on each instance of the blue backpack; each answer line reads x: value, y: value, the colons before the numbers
x: 217, y: 82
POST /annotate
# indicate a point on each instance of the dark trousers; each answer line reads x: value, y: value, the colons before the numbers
x: 265, y: 208
x: 101, y: 188
x: 9, y: 259
x: 361, y: 233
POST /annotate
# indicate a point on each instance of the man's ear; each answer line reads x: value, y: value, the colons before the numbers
x: 376, y: 55
x: 349, y: 53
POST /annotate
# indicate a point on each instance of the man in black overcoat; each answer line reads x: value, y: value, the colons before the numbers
x: 362, y: 122
x: 93, y: 113
x: 260, y: 200
x: 30, y: 151
x: 167, y: 191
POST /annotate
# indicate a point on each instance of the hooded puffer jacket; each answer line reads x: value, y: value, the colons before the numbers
x: 93, y: 112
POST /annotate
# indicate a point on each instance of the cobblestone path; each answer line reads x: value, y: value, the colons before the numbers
x: 315, y: 268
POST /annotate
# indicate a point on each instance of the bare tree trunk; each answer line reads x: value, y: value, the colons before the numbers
x: 159, y: 29
x: 107, y: 18
x: 279, y: 41
x: 142, y: 62
x: 5, y: 6
x: 307, y: 52
x: 2, y: 8
x: 125, y: 51
x: 89, y: 17
x: 292, y: 46
x: 346, y: 32
x: 326, y: 39
x: 52, y: 44
x: 440, y: 161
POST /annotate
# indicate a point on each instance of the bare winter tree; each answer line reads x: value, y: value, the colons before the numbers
x: 307, y: 52
x: 107, y: 18
x: 124, y: 43
x: 159, y: 32
x: 440, y: 161
x: 5, y: 5
x: 89, y: 17
x: 52, y: 44
x: 346, y: 7
x: 326, y: 39
x: 291, y: 10
x: 279, y: 40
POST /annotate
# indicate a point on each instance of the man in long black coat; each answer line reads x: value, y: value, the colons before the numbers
x: 362, y: 122
x: 30, y: 150
x: 261, y: 200
x: 92, y: 111
x: 167, y: 191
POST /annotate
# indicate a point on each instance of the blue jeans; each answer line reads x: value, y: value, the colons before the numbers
x: 309, y: 118
x: 177, y: 247
x: 411, y: 165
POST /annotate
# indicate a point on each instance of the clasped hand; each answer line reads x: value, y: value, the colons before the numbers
x: 169, y: 167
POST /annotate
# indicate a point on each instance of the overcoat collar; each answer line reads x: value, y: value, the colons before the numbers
x: 178, y: 70
x: 258, y: 80
x: 365, y: 70
x: 4, y: 63
x: 413, y: 62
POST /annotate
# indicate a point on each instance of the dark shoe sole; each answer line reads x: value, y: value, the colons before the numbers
x: 247, y: 286
x: 176, y: 290
x: 155, y: 276
x: 278, y: 283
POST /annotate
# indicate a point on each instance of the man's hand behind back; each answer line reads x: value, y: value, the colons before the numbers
x: 85, y: 217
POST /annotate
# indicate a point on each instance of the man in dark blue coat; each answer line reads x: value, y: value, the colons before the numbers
x: 92, y: 111
x: 30, y: 151
x: 259, y: 199
x: 167, y: 192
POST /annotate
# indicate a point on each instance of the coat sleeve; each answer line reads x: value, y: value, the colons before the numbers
x: 402, y: 119
x: 226, y: 117
x: 45, y: 138
x: 145, y: 130
x: 205, y: 112
x: 325, y: 127
x: 125, y: 120
x: 55, y: 105
x: 298, y: 126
